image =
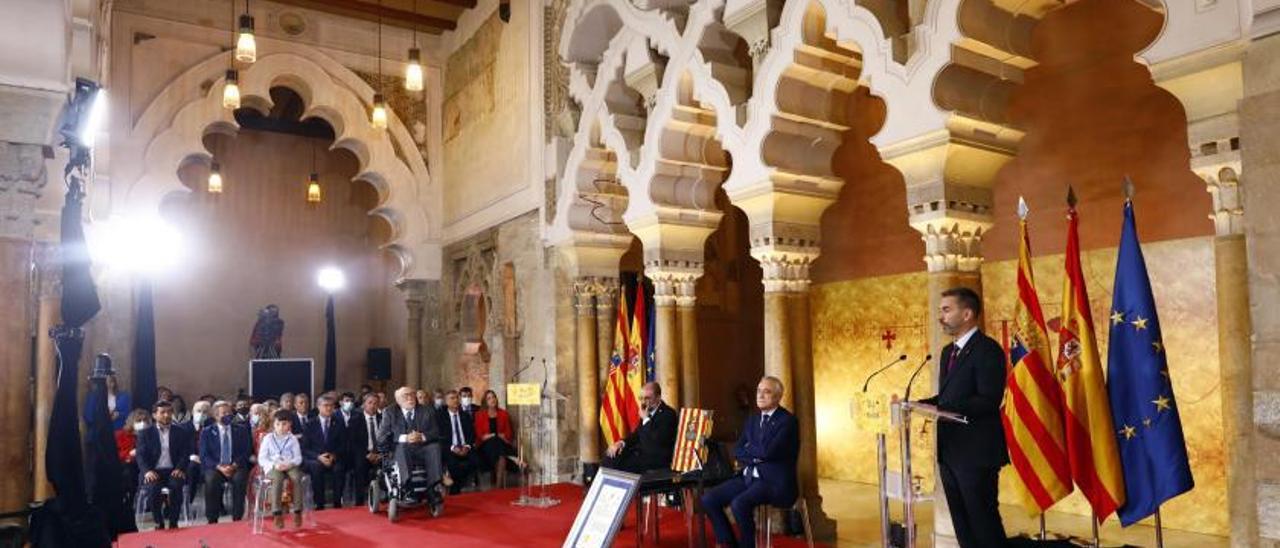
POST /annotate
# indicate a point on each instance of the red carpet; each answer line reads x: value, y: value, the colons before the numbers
x: 472, y: 519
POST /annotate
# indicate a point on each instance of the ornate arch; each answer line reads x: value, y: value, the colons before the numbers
x: 175, y: 123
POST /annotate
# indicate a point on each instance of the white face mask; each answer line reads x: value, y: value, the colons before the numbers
x: 347, y: 406
x: 254, y: 419
x: 439, y: 402
x: 466, y: 402
x: 197, y: 417
x: 140, y: 425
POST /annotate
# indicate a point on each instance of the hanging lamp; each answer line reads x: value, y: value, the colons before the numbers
x: 413, y: 71
x: 378, y: 118
x: 246, y: 46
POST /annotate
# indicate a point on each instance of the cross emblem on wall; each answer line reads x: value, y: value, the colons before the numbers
x: 888, y: 337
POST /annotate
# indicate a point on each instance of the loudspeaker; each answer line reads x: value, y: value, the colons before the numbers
x: 379, y: 364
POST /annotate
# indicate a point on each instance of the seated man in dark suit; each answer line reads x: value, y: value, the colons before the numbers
x: 162, y: 454
x: 767, y: 452
x: 460, y: 457
x: 651, y: 446
x: 303, y: 414
x: 224, y: 456
x: 409, y: 431
x: 363, y: 457
x: 324, y: 442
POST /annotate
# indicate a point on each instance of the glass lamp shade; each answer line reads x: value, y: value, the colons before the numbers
x: 246, y: 46
x: 214, y: 185
x: 413, y: 71
x: 231, y: 91
x: 313, y: 189
x: 378, y: 118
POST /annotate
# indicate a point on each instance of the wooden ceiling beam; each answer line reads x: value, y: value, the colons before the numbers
x: 390, y: 16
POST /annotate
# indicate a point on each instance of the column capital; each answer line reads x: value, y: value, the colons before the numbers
x: 674, y: 283
x: 1215, y: 158
x: 606, y: 292
x: 951, y: 218
x: 785, y: 270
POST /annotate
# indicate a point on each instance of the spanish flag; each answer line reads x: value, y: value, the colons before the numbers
x: 615, y: 406
x: 1033, y: 408
x: 636, y: 351
x: 1091, y: 440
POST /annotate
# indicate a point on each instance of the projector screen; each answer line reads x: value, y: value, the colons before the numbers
x: 270, y: 378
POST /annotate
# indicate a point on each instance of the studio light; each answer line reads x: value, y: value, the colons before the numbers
x: 231, y: 91
x: 246, y: 46
x: 413, y: 71
x: 313, y: 188
x: 378, y: 118
x: 85, y: 114
x: 146, y: 245
x: 330, y: 279
x: 214, y: 185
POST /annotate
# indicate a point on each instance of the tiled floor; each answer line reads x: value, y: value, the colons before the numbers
x: 853, y: 505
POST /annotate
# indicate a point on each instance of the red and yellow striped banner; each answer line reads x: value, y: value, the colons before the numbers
x: 695, y: 425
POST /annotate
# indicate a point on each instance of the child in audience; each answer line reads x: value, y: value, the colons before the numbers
x: 280, y: 456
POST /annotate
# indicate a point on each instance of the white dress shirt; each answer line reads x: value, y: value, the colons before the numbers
x: 164, y: 462
x: 371, y: 424
x: 276, y: 449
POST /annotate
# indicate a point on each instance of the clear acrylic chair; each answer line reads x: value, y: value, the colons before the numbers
x: 142, y: 511
x: 764, y: 522
x: 260, y: 500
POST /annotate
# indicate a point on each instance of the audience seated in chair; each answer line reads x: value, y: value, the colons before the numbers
x: 495, y: 438
x: 323, y: 448
x: 651, y: 446
x: 362, y: 445
x: 162, y: 454
x: 767, y: 451
x: 224, y: 456
x: 460, y: 458
x: 409, y: 431
x: 280, y: 457
x: 126, y: 450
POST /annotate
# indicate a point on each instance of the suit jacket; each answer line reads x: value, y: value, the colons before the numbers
x: 504, y: 425
x: 317, y: 441
x: 358, y: 435
x: 773, y: 451
x: 148, y: 450
x: 298, y: 428
x: 466, y: 421
x: 394, y: 425
x: 974, y: 388
x: 94, y: 398
x: 655, y: 440
x: 211, y: 446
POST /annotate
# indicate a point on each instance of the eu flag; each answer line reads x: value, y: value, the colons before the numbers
x: 1153, y: 453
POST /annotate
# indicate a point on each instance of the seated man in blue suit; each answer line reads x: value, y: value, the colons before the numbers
x: 767, y: 452
x: 324, y: 441
x: 224, y: 457
x: 162, y: 454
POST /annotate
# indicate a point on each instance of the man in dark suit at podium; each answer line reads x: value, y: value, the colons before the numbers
x: 651, y: 446
x: 767, y: 452
x: 970, y: 455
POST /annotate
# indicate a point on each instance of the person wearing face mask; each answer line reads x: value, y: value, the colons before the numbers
x: 460, y: 457
x: 201, y: 418
x: 224, y: 456
x: 467, y: 398
x: 650, y: 446
x: 126, y: 444
x: 438, y: 400
x: 242, y: 410
x: 347, y: 407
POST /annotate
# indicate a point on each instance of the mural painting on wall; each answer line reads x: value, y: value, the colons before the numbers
x: 265, y: 340
x: 473, y: 299
x: 469, y: 79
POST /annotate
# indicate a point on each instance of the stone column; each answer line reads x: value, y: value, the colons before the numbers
x: 666, y: 331
x: 606, y: 316
x: 584, y: 293
x: 22, y: 177
x: 46, y: 382
x: 1231, y: 266
x: 687, y: 317
x: 1259, y: 131
x: 415, y: 300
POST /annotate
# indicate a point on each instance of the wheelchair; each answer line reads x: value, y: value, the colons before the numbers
x: 401, y: 489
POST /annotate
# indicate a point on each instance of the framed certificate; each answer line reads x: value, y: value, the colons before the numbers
x: 602, y: 511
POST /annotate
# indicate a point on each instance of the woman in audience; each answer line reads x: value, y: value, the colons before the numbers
x: 118, y: 405
x: 180, y: 414
x: 497, y: 444
x: 126, y: 443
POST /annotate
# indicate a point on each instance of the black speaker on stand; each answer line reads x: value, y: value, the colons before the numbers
x: 378, y: 361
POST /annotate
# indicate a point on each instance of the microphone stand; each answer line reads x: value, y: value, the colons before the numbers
x: 912, y: 380
x: 908, y: 491
x: 867, y: 382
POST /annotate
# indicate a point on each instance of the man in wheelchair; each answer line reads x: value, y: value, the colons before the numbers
x: 409, y: 439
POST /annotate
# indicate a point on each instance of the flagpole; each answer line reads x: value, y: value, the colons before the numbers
x: 1043, y: 533
x: 1094, y: 521
x: 1159, y: 530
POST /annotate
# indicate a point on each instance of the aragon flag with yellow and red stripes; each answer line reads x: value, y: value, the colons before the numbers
x: 1091, y: 438
x: 1033, y: 405
x: 617, y: 404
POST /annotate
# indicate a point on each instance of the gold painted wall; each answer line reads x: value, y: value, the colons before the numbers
x: 850, y: 317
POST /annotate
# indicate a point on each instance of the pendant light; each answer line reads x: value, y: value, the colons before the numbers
x: 413, y: 71
x: 313, y: 182
x: 378, y: 118
x: 214, y: 185
x: 231, y: 89
x: 246, y: 46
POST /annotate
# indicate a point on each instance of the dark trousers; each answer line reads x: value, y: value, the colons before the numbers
x: 323, y: 477
x: 425, y: 456
x: 359, y: 474
x: 215, y: 483
x: 462, y: 469
x: 159, y: 510
x: 972, y: 496
x: 742, y: 497
x: 630, y: 460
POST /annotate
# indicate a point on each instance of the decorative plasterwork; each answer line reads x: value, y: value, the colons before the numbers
x: 175, y: 123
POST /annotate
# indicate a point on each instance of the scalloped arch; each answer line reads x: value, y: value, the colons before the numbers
x: 175, y: 122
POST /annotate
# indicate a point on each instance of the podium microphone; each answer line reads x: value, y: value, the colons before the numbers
x: 907, y: 397
x: 901, y: 358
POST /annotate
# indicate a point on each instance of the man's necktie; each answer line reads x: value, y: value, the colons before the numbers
x: 373, y: 434
x: 764, y: 419
x: 408, y: 417
x: 951, y: 363
x: 324, y: 429
x: 226, y: 445
x: 457, y: 432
